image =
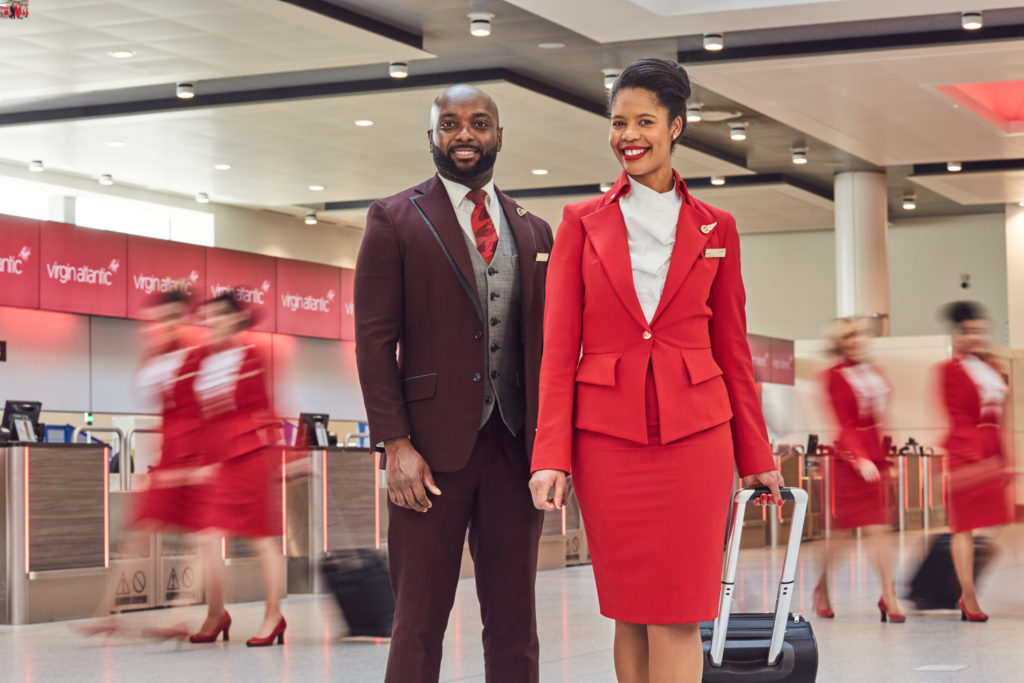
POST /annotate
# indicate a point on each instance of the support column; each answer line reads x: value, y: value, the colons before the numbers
x: 63, y: 209
x: 862, y: 247
x: 1015, y: 274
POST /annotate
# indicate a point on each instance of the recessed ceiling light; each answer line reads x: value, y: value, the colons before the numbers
x: 551, y: 46
x: 317, y: 188
x: 799, y: 155
x: 36, y: 166
x: 222, y: 167
x: 539, y: 171
x: 106, y: 179
x: 311, y: 218
x: 610, y: 74
x: 363, y: 123
x: 116, y: 143
x: 713, y: 42
x: 909, y: 201
x: 693, y: 112
x: 480, y: 24
x: 738, y: 131
x: 971, y: 20
x: 718, y: 180
x: 954, y: 166
x: 398, y: 69
x: 185, y: 91
x: 122, y: 54
x: 203, y: 198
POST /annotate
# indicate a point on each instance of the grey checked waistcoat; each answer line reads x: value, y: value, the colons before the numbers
x: 497, y: 286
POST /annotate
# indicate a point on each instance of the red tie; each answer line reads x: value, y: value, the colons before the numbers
x: 483, y: 227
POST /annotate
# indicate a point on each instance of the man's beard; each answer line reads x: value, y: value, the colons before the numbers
x: 448, y: 166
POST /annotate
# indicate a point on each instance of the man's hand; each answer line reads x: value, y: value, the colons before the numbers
x: 408, y: 476
x: 772, y: 479
x: 543, y: 481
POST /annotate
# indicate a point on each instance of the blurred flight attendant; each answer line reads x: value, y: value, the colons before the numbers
x: 975, y: 395
x: 862, y: 482
x: 242, y: 498
x: 647, y: 389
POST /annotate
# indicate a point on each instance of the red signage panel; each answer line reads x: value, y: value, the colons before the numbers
x: 252, y: 277
x: 156, y: 267
x: 19, y: 262
x: 82, y: 270
x: 783, y: 362
x: 308, y: 299
x: 760, y: 353
x: 348, y: 314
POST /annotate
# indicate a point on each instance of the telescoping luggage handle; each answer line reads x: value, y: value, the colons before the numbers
x: 785, y: 595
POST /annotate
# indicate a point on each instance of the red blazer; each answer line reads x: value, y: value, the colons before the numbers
x: 696, y: 342
x: 966, y: 440
x: 859, y: 433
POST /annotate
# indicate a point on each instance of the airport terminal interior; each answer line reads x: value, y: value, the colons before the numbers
x: 871, y: 152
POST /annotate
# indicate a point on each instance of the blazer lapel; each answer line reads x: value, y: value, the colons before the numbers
x: 692, y: 232
x: 607, y: 233
x: 526, y: 242
x: 436, y: 209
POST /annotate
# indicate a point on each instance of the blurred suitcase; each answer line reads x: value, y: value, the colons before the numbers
x: 935, y: 585
x: 773, y: 646
x: 361, y: 585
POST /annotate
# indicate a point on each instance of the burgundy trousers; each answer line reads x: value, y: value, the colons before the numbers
x: 490, y: 497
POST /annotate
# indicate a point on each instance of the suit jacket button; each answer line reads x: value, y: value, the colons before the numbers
x: 477, y: 377
x: 646, y: 334
x: 478, y: 335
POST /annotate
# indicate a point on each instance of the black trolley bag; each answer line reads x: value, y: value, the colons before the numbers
x: 935, y: 585
x: 760, y: 647
x: 361, y: 585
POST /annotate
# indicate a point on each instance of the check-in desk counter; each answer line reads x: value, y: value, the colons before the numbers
x: 55, y: 531
x: 333, y: 502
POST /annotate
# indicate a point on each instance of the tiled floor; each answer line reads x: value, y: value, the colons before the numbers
x: 575, y: 640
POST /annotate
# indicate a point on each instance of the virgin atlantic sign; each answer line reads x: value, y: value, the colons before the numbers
x: 82, y: 270
x: 157, y: 267
x: 252, y: 278
x: 19, y: 262
x: 308, y: 299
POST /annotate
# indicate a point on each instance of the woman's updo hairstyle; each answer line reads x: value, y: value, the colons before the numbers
x: 666, y: 79
x: 960, y: 311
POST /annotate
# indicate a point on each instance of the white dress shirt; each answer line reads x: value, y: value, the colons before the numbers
x: 651, y: 218
x: 464, y: 207
x: 991, y: 387
x: 869, y: 388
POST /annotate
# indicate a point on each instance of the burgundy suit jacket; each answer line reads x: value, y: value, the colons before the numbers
x: 415, y: 293
x: 696, y: 342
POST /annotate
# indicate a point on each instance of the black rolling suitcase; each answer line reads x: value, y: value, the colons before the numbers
x: 935, y: 585
x: 774, y: 646
x: 361, y: 585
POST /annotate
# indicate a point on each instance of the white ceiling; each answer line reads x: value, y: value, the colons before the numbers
x: 277, y: 149
x: 63, y: 47
x: 757, y: 208
x: 612, y: 21
x: 995, y: 187
x: 882, y: 106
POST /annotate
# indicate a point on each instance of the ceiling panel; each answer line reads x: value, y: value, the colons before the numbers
x: 277, y: 149
x: 63, y: 47
x: 994, y: 187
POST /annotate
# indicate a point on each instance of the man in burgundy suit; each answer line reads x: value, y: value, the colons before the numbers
x: 451, y: 274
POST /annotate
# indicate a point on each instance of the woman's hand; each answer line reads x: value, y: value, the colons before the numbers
x: 772, y: 479
x: 867, y: 469
x: 542, y: 482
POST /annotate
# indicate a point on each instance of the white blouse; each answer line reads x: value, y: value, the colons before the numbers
x: 218, y: 377
x: 991, y: 387
x: 651, y: 218
x: 869, y: 387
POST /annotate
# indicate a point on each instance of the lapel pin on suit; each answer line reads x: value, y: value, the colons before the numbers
x: 520, y: 210
x: 708, y: 228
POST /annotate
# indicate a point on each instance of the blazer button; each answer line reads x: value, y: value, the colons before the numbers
x: 646, y: 334
x: 492, y: 271
x: 477, y: 377
x: 494, y: 322
x: 478, y: 335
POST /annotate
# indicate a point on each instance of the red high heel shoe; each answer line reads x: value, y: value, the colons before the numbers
x: 894, y: 617
x: 278, y: 633
x: 223, y: 625
x: 823, y: 613
x: 969, y: 616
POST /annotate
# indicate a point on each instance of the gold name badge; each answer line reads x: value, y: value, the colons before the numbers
x: 542, y: 256
x: 714, y: 253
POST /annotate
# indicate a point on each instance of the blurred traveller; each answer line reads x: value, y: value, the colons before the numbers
x: 169, y: 500
x: 243, y: 497
x: 661, y: 406
x: 451, y: 274
x: 862, y: 481
x: 975, y: 394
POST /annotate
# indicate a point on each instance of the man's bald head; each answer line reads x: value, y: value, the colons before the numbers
x: 463, y: 94
x: 464, y: 135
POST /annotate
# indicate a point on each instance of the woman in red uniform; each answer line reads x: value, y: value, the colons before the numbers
x: 861, y: 477
x: 169, y: 372
x: 646, y: 388
x: 979, y: 492
x: 243, y: 498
